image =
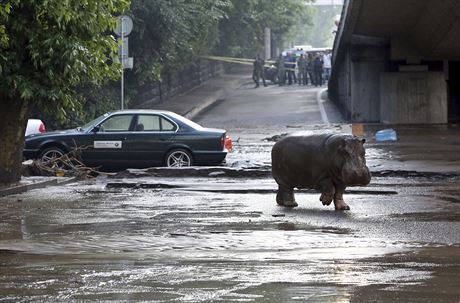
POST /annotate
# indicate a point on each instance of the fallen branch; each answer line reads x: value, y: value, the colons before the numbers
x: 68, y: 165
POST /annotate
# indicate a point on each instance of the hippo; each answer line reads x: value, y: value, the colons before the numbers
x: 327, y: 162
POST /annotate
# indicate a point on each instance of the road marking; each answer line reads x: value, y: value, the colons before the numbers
x: 321, y: 106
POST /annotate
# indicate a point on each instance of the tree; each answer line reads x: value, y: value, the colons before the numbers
x: 169, y: 34
x: 242, y: 31
x: 320, y: 34
x: 47, y: 49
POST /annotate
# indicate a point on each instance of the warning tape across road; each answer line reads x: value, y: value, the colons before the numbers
x: 244, y: 61
x: 250, y: 62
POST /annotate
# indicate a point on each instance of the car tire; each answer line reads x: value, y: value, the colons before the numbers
x: 50, y: 154
x: 178, y: 158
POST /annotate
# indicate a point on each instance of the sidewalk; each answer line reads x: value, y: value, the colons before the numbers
x: 29, y: 183
x: 197, y: 100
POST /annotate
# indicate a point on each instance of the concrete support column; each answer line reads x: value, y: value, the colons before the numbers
x: 267, y: 40
x: 413, y: 97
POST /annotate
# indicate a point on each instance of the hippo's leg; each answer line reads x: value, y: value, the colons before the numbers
x: 338, y: 198
x: 327, y: 191
x: 285, y: 196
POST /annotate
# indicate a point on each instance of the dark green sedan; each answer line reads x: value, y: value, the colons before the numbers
x: 133, y: 138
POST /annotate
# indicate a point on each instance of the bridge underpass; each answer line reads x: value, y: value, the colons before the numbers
x: 398, y: 61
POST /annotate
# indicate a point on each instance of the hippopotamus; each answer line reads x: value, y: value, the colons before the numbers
x: 327, y: 162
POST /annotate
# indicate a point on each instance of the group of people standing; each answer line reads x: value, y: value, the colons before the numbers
x: 308, y: 68
x: 313, y: 68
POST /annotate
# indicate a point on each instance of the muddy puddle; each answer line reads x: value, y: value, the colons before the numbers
x: 87, y: 241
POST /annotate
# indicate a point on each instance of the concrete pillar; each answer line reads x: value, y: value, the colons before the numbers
x: 268, y: 47
x: 409, y: 97
x: 367, y: 64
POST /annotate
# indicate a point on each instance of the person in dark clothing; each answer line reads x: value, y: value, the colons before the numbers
x: 293, y: 68
x: 287, y: 67
x: 290, y: 68
x: 302, y: 67
x: 280, y: 69
x: 310, y: 69
x: 318, y: 70
x: 258, y: 71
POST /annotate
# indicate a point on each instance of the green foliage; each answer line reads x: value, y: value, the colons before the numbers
x: 54, y: 54
x: 320, y: 33
x: 48, y: 48
x: 242, y: 31
x: 169, y: 33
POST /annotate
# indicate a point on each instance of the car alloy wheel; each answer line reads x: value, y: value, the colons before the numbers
x: 50, y: 155
x: 179, y: 158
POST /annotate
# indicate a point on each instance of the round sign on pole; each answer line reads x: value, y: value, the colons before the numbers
x: 126, y: 23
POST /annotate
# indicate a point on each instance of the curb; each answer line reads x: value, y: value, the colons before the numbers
x: 258, y: 172
x: 210, y: 100
x: 207, y: 102
x: 21, y: 188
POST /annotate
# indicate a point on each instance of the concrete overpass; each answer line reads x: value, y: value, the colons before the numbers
x: 398, y: 61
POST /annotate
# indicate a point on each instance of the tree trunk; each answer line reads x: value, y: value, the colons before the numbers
x: 13, y: 123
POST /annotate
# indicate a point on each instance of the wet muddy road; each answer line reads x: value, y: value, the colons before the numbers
x: 219, y: 236
x: 226, y: 240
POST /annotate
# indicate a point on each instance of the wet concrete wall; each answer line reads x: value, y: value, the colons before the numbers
x: 413, y: 97
x: 356, y: 85
x: 367, y: 64
x: 415, y: 35
x: 339, y: 88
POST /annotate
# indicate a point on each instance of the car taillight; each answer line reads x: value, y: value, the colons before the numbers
x: 222, y: 141
x: 42, y: 128
x: 228, y: 143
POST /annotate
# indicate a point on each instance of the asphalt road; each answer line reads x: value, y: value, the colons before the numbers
x: 271, y: 108
x: 224, y: 239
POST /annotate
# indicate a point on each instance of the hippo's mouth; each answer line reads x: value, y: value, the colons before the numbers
x: 357, y: 178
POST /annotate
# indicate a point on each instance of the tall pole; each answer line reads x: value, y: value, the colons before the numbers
x: 267, y: 42
x: 122, y: 65
x: 124, y: 27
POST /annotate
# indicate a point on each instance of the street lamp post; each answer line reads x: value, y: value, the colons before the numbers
x: 123, y: 29
x: 122, y: 64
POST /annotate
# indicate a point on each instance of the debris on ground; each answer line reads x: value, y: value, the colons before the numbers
x: 68, y: 165
x: 386, y: 135
x: 275, y: 138
x: 216, y: 174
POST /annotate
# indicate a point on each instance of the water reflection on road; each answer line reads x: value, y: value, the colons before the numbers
x: 87, y: 242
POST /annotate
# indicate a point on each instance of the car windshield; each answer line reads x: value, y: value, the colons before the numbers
x: 186, y: 121
x: 96, y: 121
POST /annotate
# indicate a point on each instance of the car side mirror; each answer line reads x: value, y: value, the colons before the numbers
x: 96, y: 129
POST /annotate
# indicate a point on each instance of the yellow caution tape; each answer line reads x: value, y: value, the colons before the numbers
x: 246, y: 61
